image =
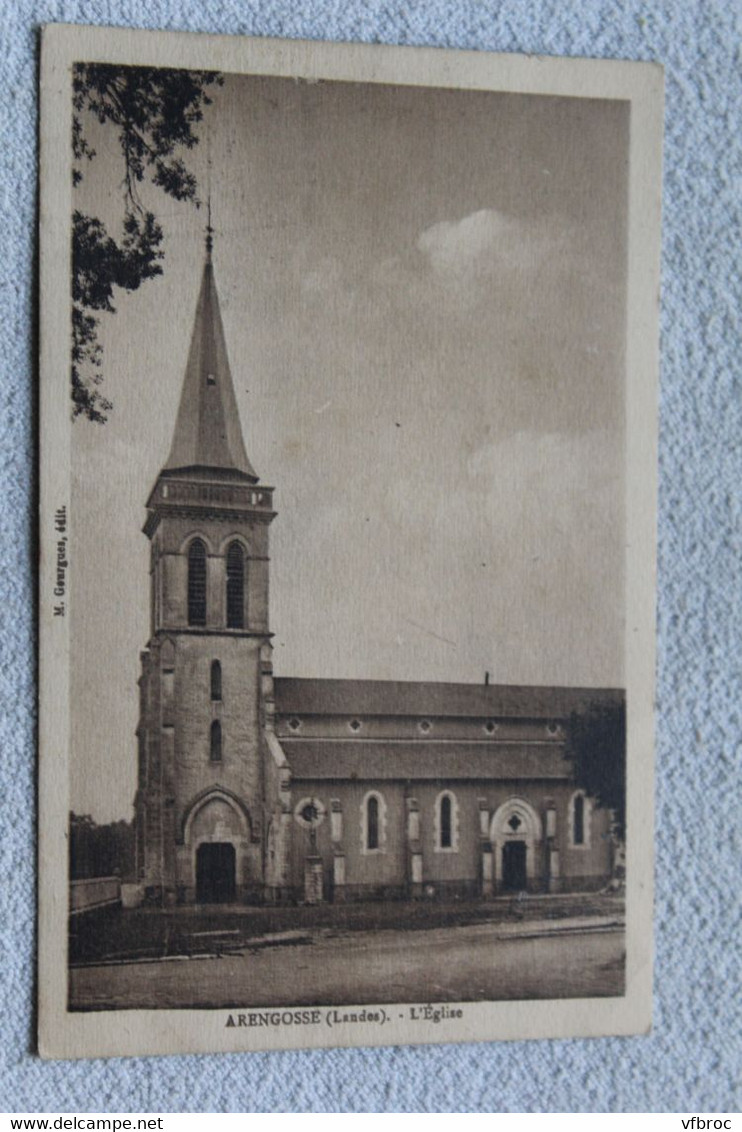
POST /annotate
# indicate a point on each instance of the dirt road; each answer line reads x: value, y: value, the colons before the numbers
x: 459, y: 964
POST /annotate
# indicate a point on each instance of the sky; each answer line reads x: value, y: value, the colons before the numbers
x: 423, y: 294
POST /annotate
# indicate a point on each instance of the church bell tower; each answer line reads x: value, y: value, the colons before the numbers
x: 205, y: 685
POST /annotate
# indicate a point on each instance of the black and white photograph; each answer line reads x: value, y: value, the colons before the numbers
x: 348, y: 546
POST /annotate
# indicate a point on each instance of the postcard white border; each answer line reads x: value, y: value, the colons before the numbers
x: 140, y: 1032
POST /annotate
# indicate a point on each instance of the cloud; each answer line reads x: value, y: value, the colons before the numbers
x: 482, y: 242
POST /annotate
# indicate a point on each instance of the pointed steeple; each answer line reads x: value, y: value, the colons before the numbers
x: 207, y: 434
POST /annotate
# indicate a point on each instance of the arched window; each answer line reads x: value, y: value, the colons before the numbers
x: 197, y: 583
x: 215, y: 746
x: 578, y: 816
x: 216, y: 680
x: 372, y: 822
x: 578, y: 820
x: 445, y: 822
x: 235, y: 586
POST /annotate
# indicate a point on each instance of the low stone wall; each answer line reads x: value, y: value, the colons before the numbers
x: 94, y: 892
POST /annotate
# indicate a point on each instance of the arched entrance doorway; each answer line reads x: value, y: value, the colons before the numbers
x: 214, y: 860
x: 215, y: 873
x: 515, y: 833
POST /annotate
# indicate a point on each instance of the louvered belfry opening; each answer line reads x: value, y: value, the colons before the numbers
x: 197, y: 583
x: 235, y: 587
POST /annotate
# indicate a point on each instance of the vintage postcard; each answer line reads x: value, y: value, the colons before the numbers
x: 348, y: 414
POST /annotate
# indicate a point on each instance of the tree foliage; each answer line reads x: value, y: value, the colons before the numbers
x: 154, y: 113
x: 100, y: 850
x: 596, y: 745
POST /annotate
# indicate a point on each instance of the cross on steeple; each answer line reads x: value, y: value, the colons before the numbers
x: 209, y: 230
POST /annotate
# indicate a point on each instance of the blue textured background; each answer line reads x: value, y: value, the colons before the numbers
x: 691, y: 1061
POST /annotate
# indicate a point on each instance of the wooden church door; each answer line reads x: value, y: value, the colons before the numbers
x: 215, y: 873
x: 514, y: 866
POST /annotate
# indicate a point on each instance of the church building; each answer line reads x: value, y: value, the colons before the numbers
x: 261, y: 788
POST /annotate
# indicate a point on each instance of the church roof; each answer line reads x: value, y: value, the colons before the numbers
x: 419, y: 759
x: 207, y: 430
x: 301, y: 696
